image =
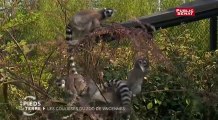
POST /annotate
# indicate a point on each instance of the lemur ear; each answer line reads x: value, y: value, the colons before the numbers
x: 95, y: 8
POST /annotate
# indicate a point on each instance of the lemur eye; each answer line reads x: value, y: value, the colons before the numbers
x: 140, y: 61
x: 107, y: 12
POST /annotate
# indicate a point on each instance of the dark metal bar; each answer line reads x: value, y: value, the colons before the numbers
x: 174, y: 21
x: 184, y: 20
x: 203, y: 8
x: 213, y: 33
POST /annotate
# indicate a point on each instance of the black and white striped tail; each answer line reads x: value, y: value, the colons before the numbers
x: 123, y: 90
x: 72, y: 65
x: 71, y: 61
x: 125, y: 95
x: 69, y: 34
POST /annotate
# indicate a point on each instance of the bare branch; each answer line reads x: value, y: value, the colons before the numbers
x: 63, y: 9
x: 28, y: 65
x: 26, y: 82
x: 159, y: 91
x: 45, y: 64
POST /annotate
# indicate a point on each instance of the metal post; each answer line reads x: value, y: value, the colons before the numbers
x: 159, y: 5
x: 183, y: 1
x: 213, y: 33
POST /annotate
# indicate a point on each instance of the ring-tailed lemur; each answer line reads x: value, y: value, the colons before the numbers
x: 131, y: 87
x: 124, y: 89
x: 135, y: 77
x: 81, y: 24
x: 137, y: 74
x: 84, y: 22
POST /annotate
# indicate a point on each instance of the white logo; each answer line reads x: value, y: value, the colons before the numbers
x: 30, y: 105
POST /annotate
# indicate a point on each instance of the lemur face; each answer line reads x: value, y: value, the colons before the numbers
x: 60, y: 83
x: 143, y: 64
x: 108, y: 12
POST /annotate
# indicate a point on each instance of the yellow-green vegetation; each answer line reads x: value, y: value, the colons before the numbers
x: 188, y: 93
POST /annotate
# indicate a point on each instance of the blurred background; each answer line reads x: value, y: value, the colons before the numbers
x: 38, y: 27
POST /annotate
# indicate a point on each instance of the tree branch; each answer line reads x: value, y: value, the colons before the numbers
x: 170, y: 90
x: 28, y: 65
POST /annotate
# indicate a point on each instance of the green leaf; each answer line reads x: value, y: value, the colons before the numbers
x: 149, y: 105
x: 136, y: 107
x: 156, y: 101
x: 187, y: 101
x: 166, y: 88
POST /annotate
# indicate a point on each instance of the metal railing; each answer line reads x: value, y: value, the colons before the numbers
x: 203, y: 10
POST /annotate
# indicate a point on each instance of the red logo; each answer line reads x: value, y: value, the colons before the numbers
x: 185, y: 12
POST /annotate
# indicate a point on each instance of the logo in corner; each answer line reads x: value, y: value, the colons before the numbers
x: 30, y: 105
x: 185, y: 11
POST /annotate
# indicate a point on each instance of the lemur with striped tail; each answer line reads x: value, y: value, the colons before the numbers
x: 80, y: 25
x: 84, y: 22
x: 121, y: 88
x: 136, y: 75
x: 132, y: 86
x: 115, y: 92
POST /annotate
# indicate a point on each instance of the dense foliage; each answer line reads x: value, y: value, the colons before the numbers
x: 32, y: 48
